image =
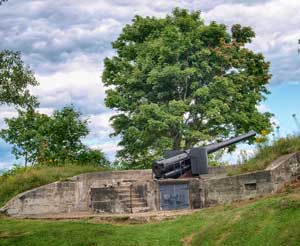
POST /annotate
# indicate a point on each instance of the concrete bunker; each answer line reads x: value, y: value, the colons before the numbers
x: 136, y: 191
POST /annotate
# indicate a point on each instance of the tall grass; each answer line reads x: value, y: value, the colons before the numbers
x: 267, y: 154
x: 20, y: 179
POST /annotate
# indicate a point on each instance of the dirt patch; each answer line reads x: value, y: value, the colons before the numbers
x: 237, y: 217
x: 5, y: 234
x: 134, y: 218
x: 187, y: 241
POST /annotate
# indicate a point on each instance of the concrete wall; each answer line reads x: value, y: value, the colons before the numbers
x: 55, y: 198
x: 110, y: 190
x: 284, y: 170
x: 106, y: 179
x: 71, y: 195
x: 239, y: 187
x: 250, y: 185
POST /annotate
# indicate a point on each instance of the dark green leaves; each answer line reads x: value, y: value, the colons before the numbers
x: 242, y: 34
x: 15, y: 78
x: 177, y: 82
x: 51, y: 140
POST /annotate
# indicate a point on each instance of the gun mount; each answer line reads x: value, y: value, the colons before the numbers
x: 176, y: 163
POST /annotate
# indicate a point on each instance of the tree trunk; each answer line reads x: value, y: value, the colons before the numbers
x: 26, y: 160
x: 176, y: 142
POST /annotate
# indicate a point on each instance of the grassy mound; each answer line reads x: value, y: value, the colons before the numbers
x: 20, y: 179
x: 267, y: 154
x: 272, y: 221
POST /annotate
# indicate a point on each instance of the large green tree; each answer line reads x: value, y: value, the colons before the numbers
x: 54, y: 140
x: 15, y: 78
x: 176, y: 82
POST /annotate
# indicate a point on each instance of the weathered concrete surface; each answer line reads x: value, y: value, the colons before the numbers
x: 136, y: 191
x: 285, y: 170
x: 55, y: 197
x: 72, y: 195
x: 239, y: 187
x: 250, y: 185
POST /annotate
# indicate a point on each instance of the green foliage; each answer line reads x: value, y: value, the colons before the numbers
x: 15, y: 78
x: 19, y: 179
x: 92, y: 157
x: 26, y: 133
x: 268, y: 153
x: 271, y: 221
x: 177, y: 82
x: 65, y: 131
x: 50, y: 140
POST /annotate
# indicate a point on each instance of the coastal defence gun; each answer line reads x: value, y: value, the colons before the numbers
x: 177, y: 163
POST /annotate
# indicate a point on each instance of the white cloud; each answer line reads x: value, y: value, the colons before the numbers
x: 6, y: 112
x: 275, y: 121
x: 107, y: 147
x: 77, y: 82
x: 276, y: 24
x: 47, y: 111
x: 262, y: 108
x: 4, y: 165
x: 100, y: 122
x: 51, y: 34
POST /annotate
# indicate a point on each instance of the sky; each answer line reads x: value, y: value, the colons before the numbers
x: 65, y: 41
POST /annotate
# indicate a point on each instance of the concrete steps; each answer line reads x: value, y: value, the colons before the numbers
x: 131, y: 199
x: 127, y: 196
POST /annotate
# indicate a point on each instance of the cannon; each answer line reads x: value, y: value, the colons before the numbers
x: 177, y: 163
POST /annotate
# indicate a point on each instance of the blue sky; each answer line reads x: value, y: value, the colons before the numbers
x: 284, y: 101
x: 65, y: 42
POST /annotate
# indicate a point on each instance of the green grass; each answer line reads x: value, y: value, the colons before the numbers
x: 274, y: 220
x: 21, y: 179
x: 267, y: 154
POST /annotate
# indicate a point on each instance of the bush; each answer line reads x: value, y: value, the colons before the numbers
x: 93, y: 157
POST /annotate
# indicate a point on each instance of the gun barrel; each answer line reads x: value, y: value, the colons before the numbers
x: 214, y: 147
x: 177, y: 172
x: 194, y: 159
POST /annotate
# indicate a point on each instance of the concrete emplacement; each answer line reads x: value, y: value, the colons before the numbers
x: 136, y: 191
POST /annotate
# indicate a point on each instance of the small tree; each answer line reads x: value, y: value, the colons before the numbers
x: 177, y: 82
x: 26, y: 133
x: 66, y: 130
x: 53, y: 140
x: 15, y: 78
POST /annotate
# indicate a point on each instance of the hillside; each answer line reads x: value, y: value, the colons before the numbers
x: 272, y: 220
x: 267, y: 153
